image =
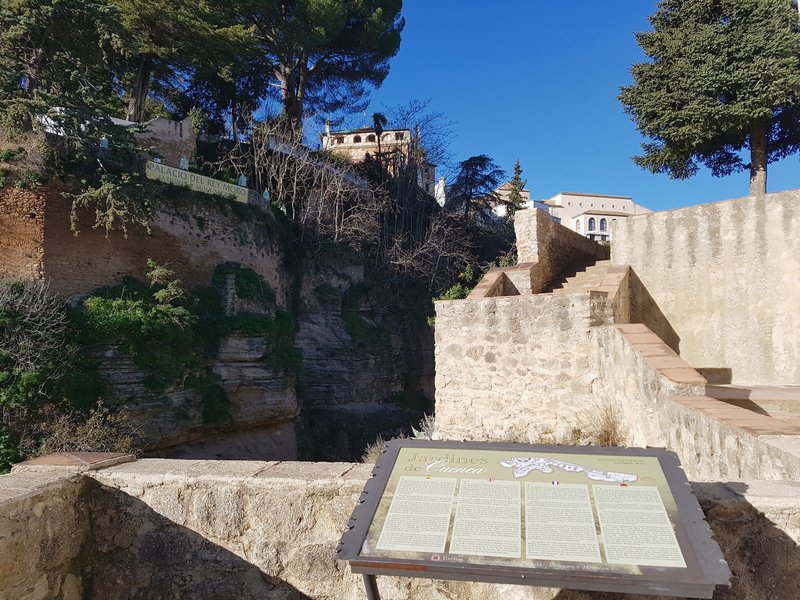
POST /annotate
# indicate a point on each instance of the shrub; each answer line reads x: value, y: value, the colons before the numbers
x: 216, y: 406
x: 9, y: 449
x: 100, y: 431
x: 249, y: 284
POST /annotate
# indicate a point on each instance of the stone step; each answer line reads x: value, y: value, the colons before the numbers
x: 779, y: 401
x: 582, y: 281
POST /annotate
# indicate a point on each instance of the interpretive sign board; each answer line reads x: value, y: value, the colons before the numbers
x: 194, y: 181
x: 587, y: 518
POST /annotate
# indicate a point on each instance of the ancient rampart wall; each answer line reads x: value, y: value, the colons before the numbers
x: 727, y: 276
x: 21, y: 233
x: 191, y: 235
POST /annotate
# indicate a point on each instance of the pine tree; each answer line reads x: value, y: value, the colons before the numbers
x: 57, y: 55
x: 515, y: 199
x: 323, y: 52
x: 723, y: 77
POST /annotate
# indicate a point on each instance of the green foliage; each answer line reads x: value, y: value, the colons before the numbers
x: 58, y: 54
x: 722, y: 76
x: 216, y: 406
x: 158, y: 337
x: 147, y: 325
x: 10, y: 452
x: 249, y: 284
x: 30, y: 180
x: 3, y: 178
x: 326, y: 50
x: 117, y: 203
x: 467, y: 280
x: 475, y: 183
x: 515, y: 199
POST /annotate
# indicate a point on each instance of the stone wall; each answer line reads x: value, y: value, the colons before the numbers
x: 43, y: 532
x: 555, y: 248
x: 21, y: 233
x: 514, y: 368
x: 171, y: 140
x: 727, y: 276
x: 632, y: 303
x: 216, y: 529
x: 191, y: 235
x: 644, y: 382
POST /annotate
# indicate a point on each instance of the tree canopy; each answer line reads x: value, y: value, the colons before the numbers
x: 324, y: 52
x: 224, y: 58
x: 474, y: 185
x: 723, y: 77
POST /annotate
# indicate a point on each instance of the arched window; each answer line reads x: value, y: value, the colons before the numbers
x: 370, y: 138
x: 357, y: 139
x: 591, y: 223
x: 398, y: 136
x: 578, y: 225
x: 603, y: 225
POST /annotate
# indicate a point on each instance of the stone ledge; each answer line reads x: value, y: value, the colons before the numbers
x: 76, y: 461
x: 737, y: 416
x: 659, y: 356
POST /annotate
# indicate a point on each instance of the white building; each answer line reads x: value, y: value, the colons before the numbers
x: 592, y: 214
x: 500, y: 206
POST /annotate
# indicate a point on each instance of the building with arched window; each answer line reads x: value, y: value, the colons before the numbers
x: 358, y: 144
x: 592, y: 215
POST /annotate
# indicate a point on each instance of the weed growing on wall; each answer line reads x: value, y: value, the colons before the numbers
x: 158, y: 336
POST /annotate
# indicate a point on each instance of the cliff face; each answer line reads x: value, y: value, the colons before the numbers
x: 262, y: 406
x: 367, y: 364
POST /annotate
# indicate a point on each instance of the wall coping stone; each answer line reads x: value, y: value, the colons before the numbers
x: 743, y: 418
x: 659, y: 356
x: 81, y: 461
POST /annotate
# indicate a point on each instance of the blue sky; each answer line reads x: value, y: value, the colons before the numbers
x: 538, y: 80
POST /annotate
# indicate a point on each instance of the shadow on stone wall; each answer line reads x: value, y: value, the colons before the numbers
x: 764, y: 560
x: 137, y: 553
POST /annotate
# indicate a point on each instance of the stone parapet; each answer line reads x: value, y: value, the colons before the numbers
x: 554, y: 248
x: 240, y: 529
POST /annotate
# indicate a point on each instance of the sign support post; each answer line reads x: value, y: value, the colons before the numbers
x: 371, y: 585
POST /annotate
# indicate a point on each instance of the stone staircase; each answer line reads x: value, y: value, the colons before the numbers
x: 581, y: 281
x: 778, y: 401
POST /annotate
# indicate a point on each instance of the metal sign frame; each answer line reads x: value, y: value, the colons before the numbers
x: 705, y: 565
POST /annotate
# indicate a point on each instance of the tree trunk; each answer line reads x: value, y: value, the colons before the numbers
x: 292, y: 91
x: 758, y: 159
x: 141, y: 87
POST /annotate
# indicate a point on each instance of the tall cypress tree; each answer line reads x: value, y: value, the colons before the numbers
x: 515, y: 199
x: 723, y: 78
